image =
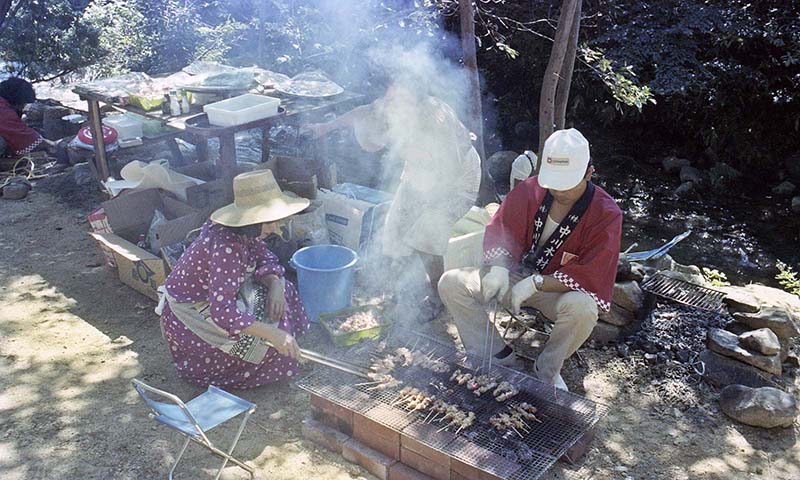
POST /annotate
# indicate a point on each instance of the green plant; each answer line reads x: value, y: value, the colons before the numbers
x: 715, y: 277
x: 787, y: 278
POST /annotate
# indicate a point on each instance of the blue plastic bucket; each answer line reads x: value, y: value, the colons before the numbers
x: 324, y: 278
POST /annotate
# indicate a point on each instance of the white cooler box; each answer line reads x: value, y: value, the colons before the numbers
x: 242, y: 109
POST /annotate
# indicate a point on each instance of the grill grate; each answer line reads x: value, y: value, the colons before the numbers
x: 565, y: 417
x: 684, y: 292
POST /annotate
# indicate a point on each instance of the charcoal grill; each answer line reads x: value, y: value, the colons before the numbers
x: 565, y: 417
x: 684, y: 292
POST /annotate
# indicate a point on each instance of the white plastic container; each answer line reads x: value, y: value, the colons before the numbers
x: 242, y: 109
x: 127, y: 128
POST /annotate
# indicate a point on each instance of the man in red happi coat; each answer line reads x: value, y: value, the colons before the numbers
x: 556, y: 239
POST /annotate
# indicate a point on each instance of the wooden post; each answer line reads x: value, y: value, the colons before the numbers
x: 96, y: 125
x: 227, y: 163
x: 551, y: 74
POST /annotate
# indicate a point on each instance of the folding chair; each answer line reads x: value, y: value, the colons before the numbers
x: 196, y: 417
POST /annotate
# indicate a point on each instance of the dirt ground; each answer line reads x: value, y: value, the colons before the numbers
x: 72, y: 337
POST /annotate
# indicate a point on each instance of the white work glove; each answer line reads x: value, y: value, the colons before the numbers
x: 495, y: 283
x: 522, y: 291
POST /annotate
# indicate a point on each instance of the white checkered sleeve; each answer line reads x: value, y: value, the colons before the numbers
x: 497, y: 256
x: 570, y: 283
x: 30, y: 147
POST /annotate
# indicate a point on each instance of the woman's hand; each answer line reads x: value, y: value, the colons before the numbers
x: 284, y: 343
x: 276, y: 299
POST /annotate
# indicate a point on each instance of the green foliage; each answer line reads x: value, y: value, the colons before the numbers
x: 122, y: 36
x: 725, y: 73
x: 787, y: 278
x: 620, y: 82
x: 48, y: 38
x: 715, y: 277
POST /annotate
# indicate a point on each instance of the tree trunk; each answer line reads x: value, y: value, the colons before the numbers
x: 5, y: 5
x: 565, y: 79
x: 467, y: 16
x: 551, y: 75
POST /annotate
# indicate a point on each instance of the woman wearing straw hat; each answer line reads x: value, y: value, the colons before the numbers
x: 227, y: 300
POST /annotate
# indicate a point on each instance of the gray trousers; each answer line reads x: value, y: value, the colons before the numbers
x: 574, y: 315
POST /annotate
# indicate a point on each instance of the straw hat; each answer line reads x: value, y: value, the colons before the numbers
x: 156, y: 174
x: 257, y: 198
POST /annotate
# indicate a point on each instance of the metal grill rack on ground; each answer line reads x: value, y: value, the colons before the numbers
x: 565, y: 417
x: 684, y: 292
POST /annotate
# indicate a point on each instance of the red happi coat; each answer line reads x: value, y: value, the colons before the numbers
x: 20, y: 138
x: 586, y: 262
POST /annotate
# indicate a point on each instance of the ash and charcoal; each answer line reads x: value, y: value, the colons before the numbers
x: 673, y: 332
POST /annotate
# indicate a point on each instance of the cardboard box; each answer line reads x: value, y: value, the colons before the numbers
x: 210, y: 195
x: 129, y: 216
x: 355, y: 218
x: 99, y: 223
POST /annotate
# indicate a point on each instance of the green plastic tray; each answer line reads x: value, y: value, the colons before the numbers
x: 346, y: 339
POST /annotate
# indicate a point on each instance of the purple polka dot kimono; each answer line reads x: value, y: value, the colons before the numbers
x: 213, y: 269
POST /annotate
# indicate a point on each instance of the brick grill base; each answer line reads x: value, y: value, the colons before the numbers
x: 390, y: 455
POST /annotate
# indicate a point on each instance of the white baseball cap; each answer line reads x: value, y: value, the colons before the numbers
x: 564, y: 160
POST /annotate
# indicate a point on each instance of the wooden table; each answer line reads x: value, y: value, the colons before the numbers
x: 194, y: 127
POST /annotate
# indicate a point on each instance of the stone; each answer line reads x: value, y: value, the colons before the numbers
x: 722, y: 371
x: 763, y: 341
x: 499, y: 166
x: 796, y: 204
x: 82, y: 174
x: 55, y: 128
x: 638, y: 272
x: 783, y: 323
x: 623, y: 269
x: 605, y: 333
x: 674, y: 164
x: 685, y: 190
x: 726, y: 343
x: 784, y: 189
x: 623, y: 350
x: 763, y: 407
x: 691, y: 174
x: 686, y: 276
x: 683, y: 355
x: 628, y: 295
x: 740, y: 300
x: 617, y: 316
x: 793, y: 361
x: 15, y: 191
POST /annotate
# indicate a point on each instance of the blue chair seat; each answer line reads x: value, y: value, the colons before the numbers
x: 213, y: 407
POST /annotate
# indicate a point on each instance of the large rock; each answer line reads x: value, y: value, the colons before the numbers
x: 674, y: 164
x: 764, y: 407
x: 15, y: 191
x: 763, y: 341
x: 796, y: 204
x: 784, y: 189
x: 617, y: 316
x: 726, y: 343
x: 722, y: 371
x: 778, y: 319
x: 739, y: 299
x: 691, y: 174
x: 685, y: 190
x: 628, y: 295
x: 605, y: 333
x: 686, y: 276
